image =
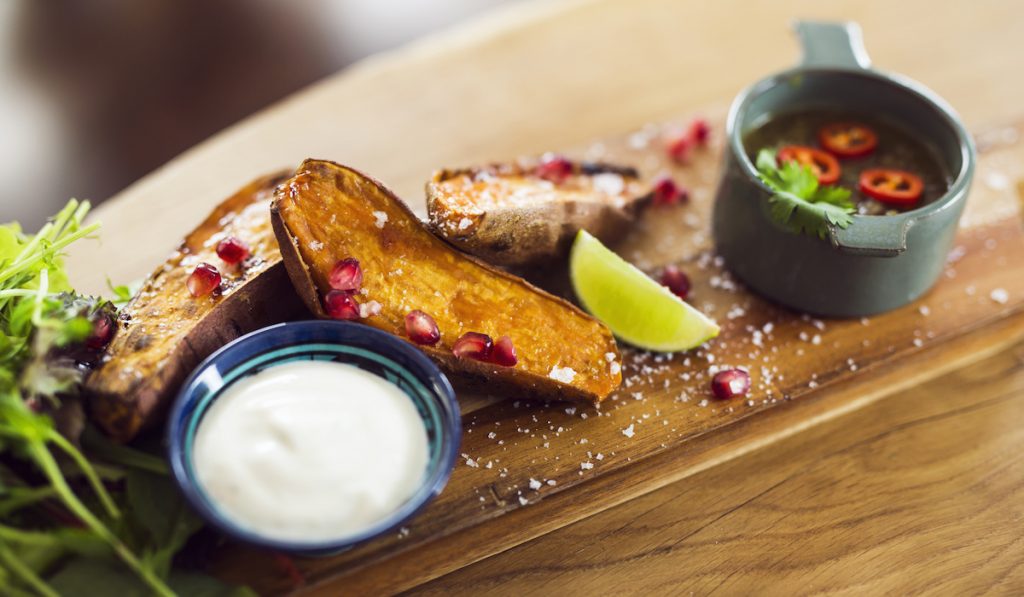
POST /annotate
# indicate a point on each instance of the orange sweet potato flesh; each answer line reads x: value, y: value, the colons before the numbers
x: 327, y: 212
x: 164, y: 332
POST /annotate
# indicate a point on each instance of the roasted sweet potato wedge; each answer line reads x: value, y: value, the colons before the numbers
x: 164, y: 332
x: 526, y: 213
x: 328, y: 212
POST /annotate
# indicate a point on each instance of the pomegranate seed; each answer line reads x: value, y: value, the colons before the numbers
x: 504, y: 353
x: 340, y: 305
x: 347, y: 275
x: 232, y: 250
x: 102, y: 332
x: 678, y: 148
x: 699, y: 131
x: 204, y: 279
x: 473, y: 345
x: 675, y: 280
x: 421, y: 328
x: 730, y: 383
x: 554, y: 167
x: 667, y: 192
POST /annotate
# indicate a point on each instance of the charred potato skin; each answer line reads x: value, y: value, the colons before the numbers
x: 315, y: 178
x: 519, y: 237
x: 164, y: 332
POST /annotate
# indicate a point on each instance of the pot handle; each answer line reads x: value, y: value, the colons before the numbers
x: 835, y: 45
x: 874, y: 236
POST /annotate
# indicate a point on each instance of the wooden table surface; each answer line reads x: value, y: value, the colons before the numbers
x: 919, y: 494
x: 922, y: 492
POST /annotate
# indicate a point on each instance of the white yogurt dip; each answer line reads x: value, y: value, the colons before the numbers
x: 310, y: 451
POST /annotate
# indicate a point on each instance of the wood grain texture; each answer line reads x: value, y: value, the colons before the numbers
x: 493, y: 90
x: 920, y: 494
x: 413, y: 567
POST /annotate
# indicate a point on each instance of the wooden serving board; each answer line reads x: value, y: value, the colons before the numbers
x: 539, y: 75
x: 529, y: 467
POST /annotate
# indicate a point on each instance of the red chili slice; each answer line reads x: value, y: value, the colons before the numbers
x: 848, y: 139
x: 895, y: 187
x: 824, y: 166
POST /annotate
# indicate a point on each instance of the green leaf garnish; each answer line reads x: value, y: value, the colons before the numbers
x: 123, y: 293
x: 43, y: 326
x: 800, y: 204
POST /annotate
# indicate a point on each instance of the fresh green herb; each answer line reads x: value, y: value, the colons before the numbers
x: 72, y: 533
x: 801, y: 204
x: 123, y: 292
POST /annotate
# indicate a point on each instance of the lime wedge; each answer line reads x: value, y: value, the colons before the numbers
x: 636, y: 308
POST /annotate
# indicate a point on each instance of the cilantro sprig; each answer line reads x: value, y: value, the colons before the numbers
x: 800, y: 203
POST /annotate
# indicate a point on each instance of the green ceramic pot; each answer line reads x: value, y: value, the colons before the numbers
x: 878, y: 263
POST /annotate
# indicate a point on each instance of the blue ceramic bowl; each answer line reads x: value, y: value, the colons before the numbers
x: 353, y: 344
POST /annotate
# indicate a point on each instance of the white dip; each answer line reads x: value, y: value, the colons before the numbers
x: 310, y: 451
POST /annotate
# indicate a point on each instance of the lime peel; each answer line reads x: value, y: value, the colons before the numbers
x: 636, y: 308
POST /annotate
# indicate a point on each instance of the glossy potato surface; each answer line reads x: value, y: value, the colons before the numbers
x: 327, y: 212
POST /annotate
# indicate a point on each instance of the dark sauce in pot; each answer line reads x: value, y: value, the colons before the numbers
x: 897, y: 149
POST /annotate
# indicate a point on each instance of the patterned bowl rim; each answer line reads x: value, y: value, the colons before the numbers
x: 393, y: 359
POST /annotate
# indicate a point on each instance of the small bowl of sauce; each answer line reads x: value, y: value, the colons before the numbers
x: 895, y: 163
x: 312, y: 437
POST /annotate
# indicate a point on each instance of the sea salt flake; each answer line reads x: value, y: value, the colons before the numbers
x: 315, y: 245
x: 609, y: 183
x: 534, y: 484
x: 523, y: 501
x: 369, y: 309
x: 465, y: 223
x: 1000, y: 295
x: 562, y: 374
x: 629, y: 431
x: 997, y: 181
x: 639, y: 140
x: 586, y: 465
x: 381, y: 217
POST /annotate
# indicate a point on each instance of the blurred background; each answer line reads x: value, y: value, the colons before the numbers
x: 95, y: 94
